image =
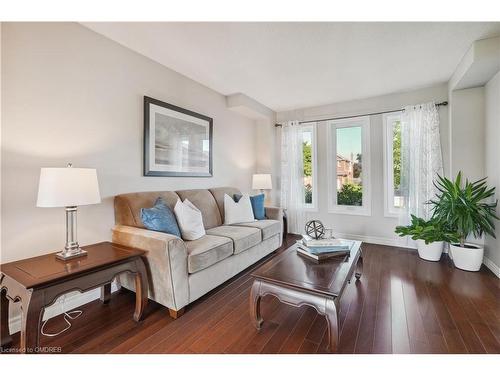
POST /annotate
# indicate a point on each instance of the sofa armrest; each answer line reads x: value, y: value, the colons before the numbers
x: 274, y: 213
x: 166, y: 262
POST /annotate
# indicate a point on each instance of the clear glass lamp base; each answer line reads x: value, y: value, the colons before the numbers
x: 65, y: 254
x: 72, y: 249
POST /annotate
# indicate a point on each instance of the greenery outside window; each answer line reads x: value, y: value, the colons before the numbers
x: 310, y: 170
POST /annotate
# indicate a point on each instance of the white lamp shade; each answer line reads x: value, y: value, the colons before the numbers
x: 262, y: 181
x: 64, y: 187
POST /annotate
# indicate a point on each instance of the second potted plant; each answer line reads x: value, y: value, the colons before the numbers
x: 465, y: 208
x: 430, y: 236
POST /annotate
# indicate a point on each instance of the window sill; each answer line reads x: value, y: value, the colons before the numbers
x: 390, y: 215
x: 346, y: 210
x: 311, y: 209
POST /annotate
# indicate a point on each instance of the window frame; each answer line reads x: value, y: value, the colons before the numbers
x: 332, y: 126
x: 389, y: 209
x: 312, y: 207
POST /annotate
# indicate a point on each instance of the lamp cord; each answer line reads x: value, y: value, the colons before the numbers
x: 68, y: 316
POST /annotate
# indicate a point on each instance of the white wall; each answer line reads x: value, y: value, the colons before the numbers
x: 69, y: 94
x: 474, y: 123
x: 492, y: 158
x: 467, y: 122
x: 1, y: 26
x: 374, y: 228
x: 266, y: 150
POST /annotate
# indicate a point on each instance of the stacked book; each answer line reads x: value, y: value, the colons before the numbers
x: 322, y: 249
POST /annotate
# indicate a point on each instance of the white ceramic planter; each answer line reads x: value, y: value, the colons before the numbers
x: 431, y: 251
x: 467, y: 258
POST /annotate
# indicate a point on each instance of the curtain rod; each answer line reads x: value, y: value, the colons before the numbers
x: 352, y: 116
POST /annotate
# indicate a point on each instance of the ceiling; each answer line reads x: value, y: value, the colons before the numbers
x: 293, y: 65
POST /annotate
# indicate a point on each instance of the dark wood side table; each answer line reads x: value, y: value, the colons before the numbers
x: 298, y: 281
x: 37, y: 282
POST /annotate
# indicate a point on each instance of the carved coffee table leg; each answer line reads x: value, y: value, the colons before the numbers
x: 332, y: 320
x: 141, y: 290
x: 105, y: 293
x: 255, y: 305
x: 359, y: 265
x: 5, y: 337
x: 32, y: 308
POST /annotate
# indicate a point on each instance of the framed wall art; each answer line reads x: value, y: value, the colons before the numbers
x: 177, y: 142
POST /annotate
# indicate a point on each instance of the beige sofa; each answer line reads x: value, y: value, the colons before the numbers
x: 182, y: 271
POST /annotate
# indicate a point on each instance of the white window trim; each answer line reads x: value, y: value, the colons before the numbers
x: 314, y: 159
x: 332, y: 126
x: 389, y: 209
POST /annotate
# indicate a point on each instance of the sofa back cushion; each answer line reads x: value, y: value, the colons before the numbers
x: 205, y: 202
x: 210, y: 202
x: 128, y: 206
x: 218, y: 194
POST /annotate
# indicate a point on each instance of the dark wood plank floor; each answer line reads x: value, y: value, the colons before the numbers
x: 402, y: 304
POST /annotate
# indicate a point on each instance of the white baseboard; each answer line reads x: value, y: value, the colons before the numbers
x: 492, y: 266
x: 397, y: 242
x: 62, y: 304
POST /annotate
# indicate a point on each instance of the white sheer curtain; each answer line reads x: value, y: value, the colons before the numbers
x: 292, y: 176
x: 421, y: 159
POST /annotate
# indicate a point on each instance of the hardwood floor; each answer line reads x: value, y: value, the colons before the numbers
x: 402, y: 304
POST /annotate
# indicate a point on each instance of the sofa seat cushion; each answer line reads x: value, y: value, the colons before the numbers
x: 206, y: 251
x: 243, y: 237
x: 268, y: 227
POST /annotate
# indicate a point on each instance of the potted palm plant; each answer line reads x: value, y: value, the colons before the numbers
x: 467, y: 209
x: 430, y: 236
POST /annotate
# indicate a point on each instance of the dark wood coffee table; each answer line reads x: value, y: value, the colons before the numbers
x: 37, y: 282
x: 297, y: 281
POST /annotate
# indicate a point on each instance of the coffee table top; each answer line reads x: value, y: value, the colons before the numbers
x: 45, y: 269
x: 328, y: 277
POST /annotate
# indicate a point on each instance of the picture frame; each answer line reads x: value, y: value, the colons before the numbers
x: 177, y: 142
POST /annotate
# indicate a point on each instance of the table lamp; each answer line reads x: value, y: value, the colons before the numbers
x: 68, y: 187
x: 262, y: 182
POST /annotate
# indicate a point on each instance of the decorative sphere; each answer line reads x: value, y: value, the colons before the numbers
x: 315, y: 229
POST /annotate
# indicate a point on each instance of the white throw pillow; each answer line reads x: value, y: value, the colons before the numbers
x: 189, y: 219
x: 237, y: 212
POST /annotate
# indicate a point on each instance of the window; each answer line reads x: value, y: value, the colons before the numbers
x: 309, y: 160
x: 394, y: 199
x: 349, y: 166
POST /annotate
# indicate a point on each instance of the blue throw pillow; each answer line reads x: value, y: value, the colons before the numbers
x: 160, y: 218
x: 257, y: 205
